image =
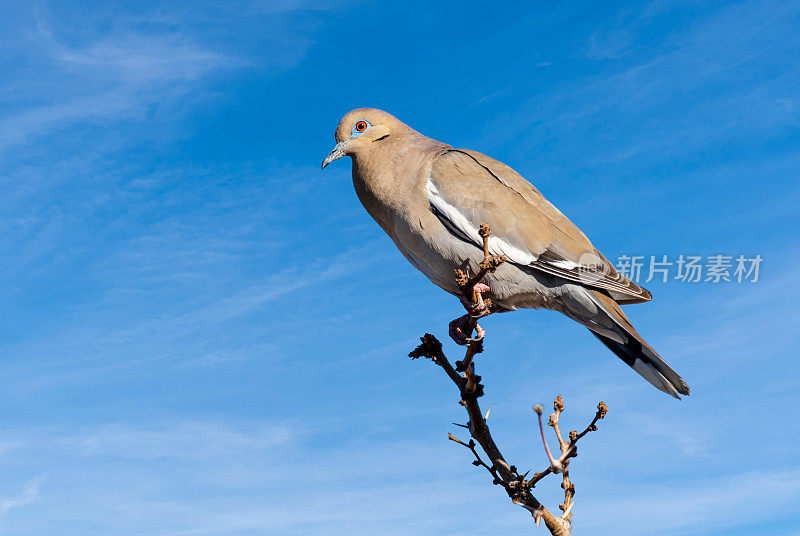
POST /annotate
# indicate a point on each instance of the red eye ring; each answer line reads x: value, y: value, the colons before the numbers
x: 361, y: 126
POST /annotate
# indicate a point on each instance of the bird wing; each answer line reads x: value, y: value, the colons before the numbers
x: 467, y: 188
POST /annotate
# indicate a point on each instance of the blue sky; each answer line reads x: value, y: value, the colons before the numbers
x: 202, y: 334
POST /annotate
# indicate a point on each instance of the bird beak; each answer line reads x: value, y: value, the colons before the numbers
x: 337, y: 153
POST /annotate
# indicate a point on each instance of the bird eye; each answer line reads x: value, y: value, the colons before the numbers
x: 361, y: 126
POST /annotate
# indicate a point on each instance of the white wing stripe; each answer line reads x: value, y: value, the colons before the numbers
x: 460, y: 222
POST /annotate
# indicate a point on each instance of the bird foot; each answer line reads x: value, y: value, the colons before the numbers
x: 461, y: 330
x: 472, y: 291
x: 478, y: 307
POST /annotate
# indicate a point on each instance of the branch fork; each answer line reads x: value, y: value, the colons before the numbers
x: 516, y: 485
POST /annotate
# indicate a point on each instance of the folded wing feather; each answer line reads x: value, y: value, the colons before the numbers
x: 467, y: 188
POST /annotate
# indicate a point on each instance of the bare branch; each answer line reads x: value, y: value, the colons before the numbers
x: 463, y: 375
x: 503, y: 474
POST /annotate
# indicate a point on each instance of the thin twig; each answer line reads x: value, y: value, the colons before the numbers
x: 568, y: 449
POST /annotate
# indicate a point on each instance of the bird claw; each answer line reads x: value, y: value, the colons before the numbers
x: 481, y: 307
x: 479, y: 334
x: 457, y: 332
x: 472, y: 291
x: 461, y: 330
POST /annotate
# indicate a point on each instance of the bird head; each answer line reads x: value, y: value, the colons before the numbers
x: 360, y: 129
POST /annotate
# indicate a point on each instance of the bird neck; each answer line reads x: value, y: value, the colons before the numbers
x: 391, y: 176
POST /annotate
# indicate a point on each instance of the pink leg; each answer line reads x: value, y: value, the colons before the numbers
x: 461, y: 328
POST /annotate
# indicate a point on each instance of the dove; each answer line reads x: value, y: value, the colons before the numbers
x: 432, y: 199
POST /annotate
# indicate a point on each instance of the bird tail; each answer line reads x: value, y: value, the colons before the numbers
x: 617, y: 333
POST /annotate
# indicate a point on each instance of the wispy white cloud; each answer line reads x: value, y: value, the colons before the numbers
x: 114, y: 67
x: 209, y: 477
x: 694, y: 507
x: 668, y: 80
x: 187, y: 440
x: 29, y: 494
x: 112, y: 78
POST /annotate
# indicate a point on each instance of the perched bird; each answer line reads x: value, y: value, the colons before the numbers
x: 431, y: 199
